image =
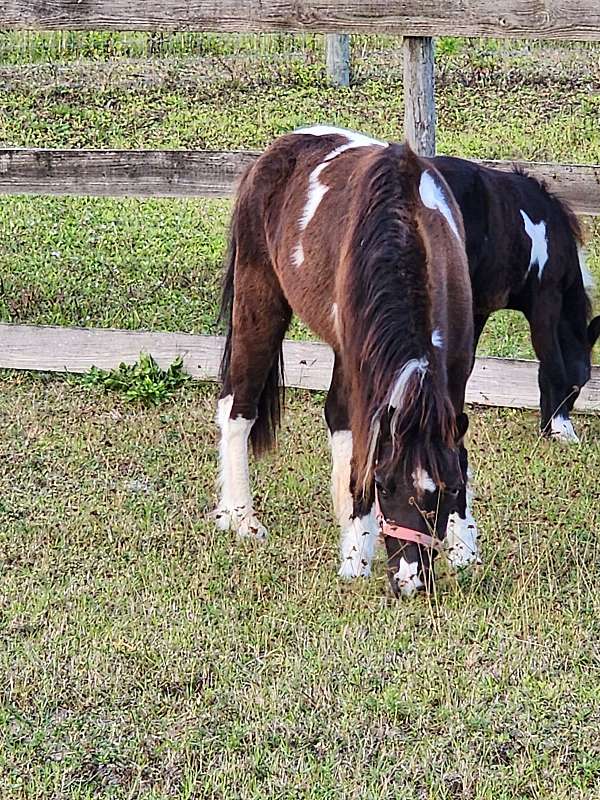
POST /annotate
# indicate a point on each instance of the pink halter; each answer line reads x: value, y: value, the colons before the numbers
x: 402, y: 533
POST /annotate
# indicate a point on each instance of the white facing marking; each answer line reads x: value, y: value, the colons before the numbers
x: 460, y: 543
x: 539, y: 243
x: 318, y: 190
x: 341, y: 456
x: 433, y: 197
x: 562, y: 430
x: 437, y: 339
x: 357, y: 546
x: 422, y: 480
x: 235, y: 506
x: 586, y: 275
x: 406, y: 578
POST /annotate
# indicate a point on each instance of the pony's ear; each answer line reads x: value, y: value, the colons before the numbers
x: 594, y: 331
x: 462, y: 426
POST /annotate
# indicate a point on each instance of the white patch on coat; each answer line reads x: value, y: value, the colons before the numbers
x: 436, y: 338
x: 235, y: 505
x: 422, y: 480
x: 407, y: 580
x: 361, y: 139
x: 562, y: 430
x: 357, y: 546
x: 316, y: 189
x: 432, y: 196
x: 539, y: 243
x: 341, y: 456
x: 460, y: 542
x: 586, y: 275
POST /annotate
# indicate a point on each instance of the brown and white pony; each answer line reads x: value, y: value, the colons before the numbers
x: 364, y: 241
x: 525, y: 251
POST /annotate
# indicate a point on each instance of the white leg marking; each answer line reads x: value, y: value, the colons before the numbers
x: 562, y: 430
x: 357, y: 547
x: 235, y: 506
x: 433, y: 197
x: 460, y: 543
x: 407, y: 580
x: 539, y: 243
x: 341, y: 456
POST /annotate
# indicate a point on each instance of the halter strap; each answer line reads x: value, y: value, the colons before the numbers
x: 402, y: 533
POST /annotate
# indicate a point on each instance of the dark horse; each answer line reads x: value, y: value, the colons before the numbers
x: 364, y: 241
x: 525, y: 252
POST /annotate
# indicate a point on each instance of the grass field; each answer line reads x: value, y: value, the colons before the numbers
x: 145, y: 655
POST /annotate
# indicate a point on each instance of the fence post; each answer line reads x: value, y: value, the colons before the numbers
x: 338, y: 58
x: 419, y: 94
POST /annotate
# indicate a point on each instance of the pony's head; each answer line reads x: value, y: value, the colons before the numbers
x: 415, y: 474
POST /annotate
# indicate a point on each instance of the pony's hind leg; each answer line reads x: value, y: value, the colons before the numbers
x: 249, y: 403
x: 358, y: 534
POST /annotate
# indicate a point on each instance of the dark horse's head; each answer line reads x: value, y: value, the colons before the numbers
x: 415, y: 475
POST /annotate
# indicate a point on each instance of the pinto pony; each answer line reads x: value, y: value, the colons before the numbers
x: 363, y: 240
x: 525, y: 252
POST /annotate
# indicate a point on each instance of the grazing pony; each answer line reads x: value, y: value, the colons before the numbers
x: 364, y: 241
x: 525, y: 253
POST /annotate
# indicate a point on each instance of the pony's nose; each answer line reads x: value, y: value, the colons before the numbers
x: 406, y: 582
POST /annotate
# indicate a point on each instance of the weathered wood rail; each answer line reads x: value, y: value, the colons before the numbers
x: 495, y: 381
x: 202, y: 173
x: 532, y: 19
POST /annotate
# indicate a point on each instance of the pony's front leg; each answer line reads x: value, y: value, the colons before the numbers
x: 460, y: 543
x: 235, y: 509
x: 358, y: 534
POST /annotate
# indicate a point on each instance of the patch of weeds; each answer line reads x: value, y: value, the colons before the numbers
x: 144, y: 381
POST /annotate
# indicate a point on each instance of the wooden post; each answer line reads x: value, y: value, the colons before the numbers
x: 338, y: 58
x: 419, y: 94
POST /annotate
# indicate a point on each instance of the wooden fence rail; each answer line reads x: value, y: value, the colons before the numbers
x: 201, y: 173
x: 495, y: 381
x: 533, y: 19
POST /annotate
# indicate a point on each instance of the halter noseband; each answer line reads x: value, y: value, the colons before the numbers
x: 404, y: 534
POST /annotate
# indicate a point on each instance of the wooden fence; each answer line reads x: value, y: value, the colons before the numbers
x: 214, y: 174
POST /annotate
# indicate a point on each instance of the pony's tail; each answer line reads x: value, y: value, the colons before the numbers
x: 263, y: 433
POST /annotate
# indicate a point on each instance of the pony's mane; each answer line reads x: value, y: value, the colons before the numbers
x: 387, y: 325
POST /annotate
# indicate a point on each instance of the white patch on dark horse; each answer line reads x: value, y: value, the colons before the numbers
x: 316, y: 189
x: 357, y: 547
x: 539, y: 243
x: 432, y: 196
x: 437, y: 340
x: 460, y: 545
x: 422, y: 480
x: 235, y: 510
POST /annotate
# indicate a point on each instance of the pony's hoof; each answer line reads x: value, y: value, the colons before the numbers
x: 406, y: 582
x: 460, y: 544
x: 562, y: 431
x: 251, y: 528
x: 223, y: 519
x: 352, y: 568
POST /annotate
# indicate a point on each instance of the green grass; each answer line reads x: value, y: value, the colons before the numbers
x: 145, y: 655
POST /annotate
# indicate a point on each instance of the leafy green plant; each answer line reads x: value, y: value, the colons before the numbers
x: 144, y: 381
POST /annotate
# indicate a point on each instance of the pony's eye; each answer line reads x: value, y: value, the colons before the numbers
x: 381, y: 490
x: 453, y: 492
